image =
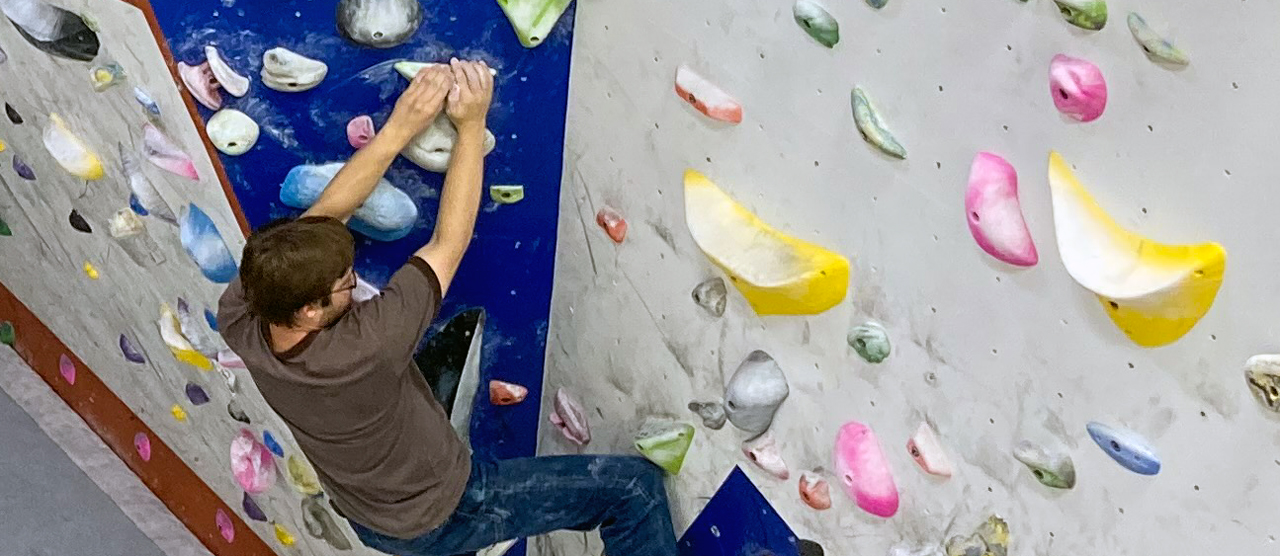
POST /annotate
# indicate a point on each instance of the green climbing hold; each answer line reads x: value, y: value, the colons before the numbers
x: 6, y: 333
x: 1052, y: 469
x: 817, y: 22
x: 877, y: 4
x: 872, y: 127
x: 1085, y: 14
x: 4, y: 228
x: 533, y: 19
x: 665, y: 442
x: 506, y: 194
x: 871, y: 341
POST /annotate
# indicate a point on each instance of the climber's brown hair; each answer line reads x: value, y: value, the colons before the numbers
x: 290, y: 263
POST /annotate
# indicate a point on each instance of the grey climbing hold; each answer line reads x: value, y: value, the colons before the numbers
x: 754, y: 393
x: 810, y: 548
x: 877, y: 4
x: 817, y: 22
x: 379, y: 23
x: 871, y: 341
x: 872, y: 128
x: 1052, y: 468
x: 1262, y: 374
x: 13, y: 114
x: 234, y: 410
x: 711, y: 295
x: 1085, y: 14
x: 78, y: 222
x: 712, y: 414
x: 1155, y: 46
x: 321, y: 525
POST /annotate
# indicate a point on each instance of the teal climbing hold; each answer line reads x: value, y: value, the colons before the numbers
x: 871, y: 341
x: 817, y: 22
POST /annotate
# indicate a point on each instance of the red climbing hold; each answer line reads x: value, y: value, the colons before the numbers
x: 613, y: 224
x: 505, y: 393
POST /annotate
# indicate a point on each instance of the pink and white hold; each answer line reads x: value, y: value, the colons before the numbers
x: 1077, y: 87
x: 251, y: 463
x: 864, y: 470
x: 994, y: 214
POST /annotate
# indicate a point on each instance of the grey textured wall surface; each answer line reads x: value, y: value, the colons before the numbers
x: 1178, y: 156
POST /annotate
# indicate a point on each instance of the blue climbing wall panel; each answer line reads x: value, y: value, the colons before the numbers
x: 738, y: 521
x: 508, y: 270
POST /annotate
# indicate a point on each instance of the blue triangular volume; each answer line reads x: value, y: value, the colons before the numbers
x: 738, y: 521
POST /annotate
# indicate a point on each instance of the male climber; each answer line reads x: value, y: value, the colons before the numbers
x: 342, y: 374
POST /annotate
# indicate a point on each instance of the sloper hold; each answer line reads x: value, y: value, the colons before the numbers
x: 225, y: 527
x: 131, y: 353
x: 251, y: 508
x: 1053, y: 468
x: 1262, y: 374
x: 776, y: 273
x: 205, y: 245
x: 711, y: 295
x: 78, y: 222
x: 994, y: 213
x: 161, y: 151
x: 871, y: 341
x: 1153, y: 44
x: 67, y: 369
x: 506, y: 194
x: 706, y: 97
x: 229, y: 79
x: 754, y: 393
x: 612, y: 223
x: 360, y: 131
x: 386, y: 215
x: 289, y: 72
x: 927, y: 450
x: 1085, y: 14
x: 712, y: 414
x: 1126, y: 447
x: 130, y: 232
x: 569, y: 417
x: 665, y: 442
x: 506, y: 393
x: 201, y: 83
x: 71, y: 153
x: 433, y: 148
x: 22, y: 169
x: 302, y: 477
x: 104, y: 76
x: 321, y: 525
x: 814, y: 491
x: 170, y: 332
x: 196, y: 394
x: 817, y: 22
x: 533, y: 19
x: 233, y: 132
x: 1078, y: 89
x: 1154, y: 292
x: 872, y: 127
x: 146, y: 194
x: 379, y: 23
x: 864, y: 470
x: 763, y: 451
x: 251, y: 463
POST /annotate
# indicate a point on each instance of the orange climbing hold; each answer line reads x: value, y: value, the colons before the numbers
x: 505, y: 393
x: 613, y: 223
x: 814, y: 491
x: 706, y: 97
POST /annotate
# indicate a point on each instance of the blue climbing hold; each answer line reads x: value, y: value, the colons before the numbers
x: 212, y: 319
x: 388, y: 214
x: 270, y: 442
x: 136, y: 206
x: 1126, y: 447
x: 201, y: 239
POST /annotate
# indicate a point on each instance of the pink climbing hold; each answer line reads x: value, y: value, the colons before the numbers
x: 161, y: 151
x: 202, y: 84
x: 763, y: 452
x: 865, y: 471
x: 613, y: 224
x: 142, y: 443
x: 926, y: 449
x: 1077, y: 87
x: 570, y: 418
x: 67, y: 369
x: 360, y: 131
x: 814, y: 491
x: 251, y: 463
x: 225, y: 527
x: 994, y: 214
x: 506, y: 393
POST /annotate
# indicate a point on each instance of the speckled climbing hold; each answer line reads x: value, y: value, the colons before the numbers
x: 4, y: 229
x: 1262, y: 374
x: 284, y: 536
x: 817, y: 22
x: 1053, y: 468
x: 201, y: 83
x: 270, y: 442
x: 379, y: 23
x: 148, y: 197
x: 52, y: 30
x: 706, y: 97
x: 130, y: 232
x: 196, y: 394
x: 1126, y: 447
x: 994, y: 213
x: 232, y: 132
x: 612, y: 223
x: 386, y: 215
x: 104, y: 76
x: 754, y: 393
x: 321, y: 525
x: 927, y: 450
x: 360, y: 131
x: 864, y: 470
x: 776, y: 273
x: 179, y: 414
x: 569, y: 417
x: 67, y: 369
x: 289, y: 72
x: 763, y: 451
x: 251, y: 508
x: 251, y: 463
x: 1078, y: 89
x: 301, y: 476
x: 142, y: 443
x: 231, y: 81
x: 665, y: 442
x: 161, y: 151
x: 712, y: 414
x: 989, y: 539
x: 433, y: 148
x: 533, y: 19
x: 1153, y: 44
x: 202, y: 241
x: 506, y: 393
x: 22, y: 169
x: 149, y: 105
x: 814, y: 491
x: 872, y: 127
x: 236, y: 412
x: 1085, y: 14
x: 179, y: 345
x: 871, y: 341
x: 1155, y: 292
x: 7, y: 336
x: 90, y: 271
x: 506, y: 194
x: 131, y: 353
x: 12, y: 113
x: 78, y: 222
x: 712, y: 295
x: 71, y: 153
x: 225, y: 527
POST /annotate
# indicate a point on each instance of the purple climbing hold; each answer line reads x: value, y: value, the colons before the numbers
x: 212, y: 319
x: 136, y: 206
x: 131, y: 353
x: 252, y: 510
x: 196, y: 394
x: 270, y: 441
x: 24, y: 171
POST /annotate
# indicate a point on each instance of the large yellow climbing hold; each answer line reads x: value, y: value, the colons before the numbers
x: 777, y: 273
x: 1155, y: 292
x: 70, y: 151
x: 171, y: 333
x: 303, y: 479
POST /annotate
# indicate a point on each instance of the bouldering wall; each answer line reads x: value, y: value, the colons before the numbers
x: 986, y: 350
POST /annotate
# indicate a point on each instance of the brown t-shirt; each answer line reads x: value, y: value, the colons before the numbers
x: 361, y: 411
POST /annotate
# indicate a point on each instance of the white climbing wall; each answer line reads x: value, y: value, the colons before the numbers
x: 988, y: 353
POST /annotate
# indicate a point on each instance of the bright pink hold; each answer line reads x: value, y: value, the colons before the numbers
x: 251, y: 463
x: 225, y: 526
x: 864, y: 471
x: 67, y: 369
x: 1077, y: 87
x: 142, y: 443
x: 360, y: 131
x: 994, y: 214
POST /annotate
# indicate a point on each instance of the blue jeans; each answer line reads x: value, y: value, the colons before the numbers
x: 624, y: 496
